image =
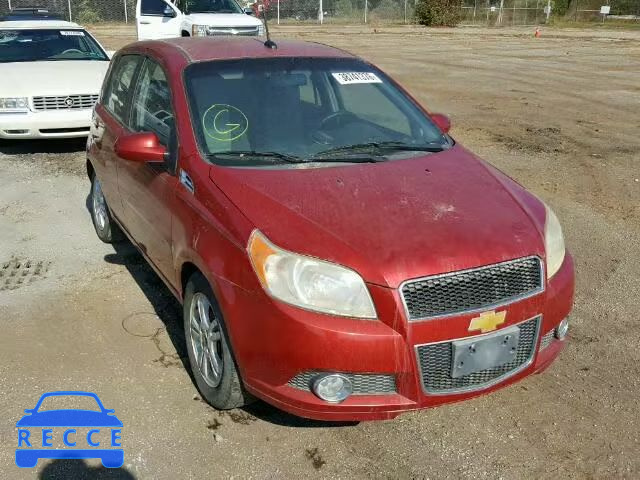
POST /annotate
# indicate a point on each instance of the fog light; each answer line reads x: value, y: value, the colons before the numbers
x: 332, y: 388
x: 562, y: 329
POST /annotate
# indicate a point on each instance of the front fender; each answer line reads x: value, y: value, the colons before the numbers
x: 210, y: 233
x: 186, y: 25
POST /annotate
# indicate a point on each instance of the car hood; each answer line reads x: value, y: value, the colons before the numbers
x: 223, y: 19
x: 69, y: 418
x: 395, y: 220
x: 28, y: 79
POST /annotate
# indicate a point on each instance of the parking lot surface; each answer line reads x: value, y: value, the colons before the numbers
x: 560, y: 114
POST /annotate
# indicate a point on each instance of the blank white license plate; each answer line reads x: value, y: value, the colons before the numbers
x: 479, y: 353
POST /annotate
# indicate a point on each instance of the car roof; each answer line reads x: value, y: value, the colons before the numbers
x: 38, y: 24
x: 203, y: 49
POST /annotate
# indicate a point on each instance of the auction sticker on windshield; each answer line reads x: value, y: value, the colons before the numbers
x: 72, y: 33
x: 347, y: 78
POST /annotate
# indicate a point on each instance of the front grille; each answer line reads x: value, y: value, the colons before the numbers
x: 65, y: 130
x: 64, y: 102
x: 363, y: 383
x: 238, y: 31
x: 547, y: 338
x: 468, y: 290
x: 435, y: 364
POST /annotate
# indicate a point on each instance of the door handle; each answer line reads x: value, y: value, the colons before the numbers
x: 145, y: 22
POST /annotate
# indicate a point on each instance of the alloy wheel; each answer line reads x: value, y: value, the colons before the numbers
x: 99, y: 205
x: 206, y: 339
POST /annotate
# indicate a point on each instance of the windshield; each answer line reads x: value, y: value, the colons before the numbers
x: 48, y: 45
x: 211, y: 6
x: 298, y: 109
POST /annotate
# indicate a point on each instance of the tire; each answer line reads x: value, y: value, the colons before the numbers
x: 216, y: 374
x: 106, y: 228
x: 185, y: 34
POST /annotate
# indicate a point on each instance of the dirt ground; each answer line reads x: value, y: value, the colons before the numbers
x: 561, y: 114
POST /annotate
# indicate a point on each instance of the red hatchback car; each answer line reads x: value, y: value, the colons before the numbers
x: 337, y: 253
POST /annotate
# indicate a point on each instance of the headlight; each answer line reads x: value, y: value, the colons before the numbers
x: 308, y: 282
x: 553, y: 243
x: 15, y: 104
x: 261, y: 30
x: 199, y: 30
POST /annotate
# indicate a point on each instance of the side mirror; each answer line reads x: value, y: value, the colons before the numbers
x: 140, y: 147
x: 442, y: 122
x: 28, y: 410
x: 248, y: 10
x: 169, y: 12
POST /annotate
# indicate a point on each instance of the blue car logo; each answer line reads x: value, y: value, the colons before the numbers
x: 36, y: 433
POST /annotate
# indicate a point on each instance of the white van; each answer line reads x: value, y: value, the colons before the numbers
x: 164, y: 19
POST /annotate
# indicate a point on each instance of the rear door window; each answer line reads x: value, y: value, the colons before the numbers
x: 117, y: 93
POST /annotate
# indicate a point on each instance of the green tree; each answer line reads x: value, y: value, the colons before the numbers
x: 439, y: 12
x: 87, y: 13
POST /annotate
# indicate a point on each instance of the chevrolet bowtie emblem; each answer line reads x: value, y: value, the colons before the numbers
x: 487, y: 321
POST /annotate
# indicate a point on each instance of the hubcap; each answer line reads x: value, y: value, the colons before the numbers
x: 206, y: 339
x: 99, y: 205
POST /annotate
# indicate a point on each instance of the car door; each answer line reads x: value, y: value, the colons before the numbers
x: 157, y: 19
x: 147, y: 189
x: 110, y: 117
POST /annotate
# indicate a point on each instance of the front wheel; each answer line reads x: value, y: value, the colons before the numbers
x: 209, y: 349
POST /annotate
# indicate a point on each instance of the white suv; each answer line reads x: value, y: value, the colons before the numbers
x: 162, y: 19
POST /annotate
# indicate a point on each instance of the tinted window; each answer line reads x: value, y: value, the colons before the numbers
x: 210, y: 6
x: 300, y: 107
x: 153, y: 7
x: 116, y: 95
x: 152, y: 111
x: 48, y: 45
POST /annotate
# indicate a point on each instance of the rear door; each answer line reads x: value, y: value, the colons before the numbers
x: 157, y: 19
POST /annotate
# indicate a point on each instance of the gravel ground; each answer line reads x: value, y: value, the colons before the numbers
x: 560, y: 114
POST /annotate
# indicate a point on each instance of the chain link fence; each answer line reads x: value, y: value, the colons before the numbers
x: 626, y: 11
x: 343, y: 11
x: 506, y: 12
x: 375, y: 12
x: 80, y: 11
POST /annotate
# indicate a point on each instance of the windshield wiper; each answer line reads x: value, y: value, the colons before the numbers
x: 255, y: 154
x: 348, y: 158
x: 392, y: 146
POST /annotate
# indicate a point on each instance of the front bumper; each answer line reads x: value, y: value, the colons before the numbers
x: 69, y: 123
x: 274, y: 343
